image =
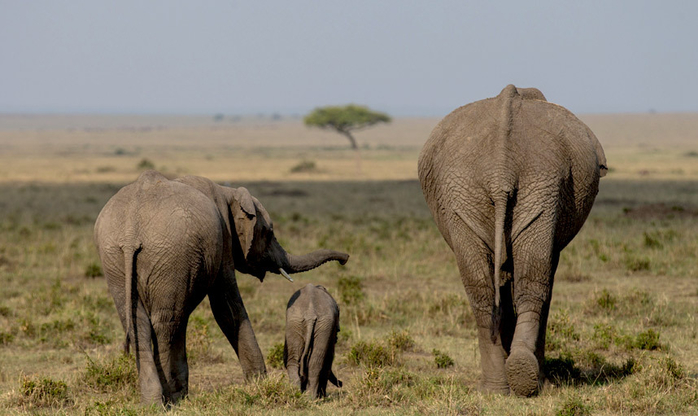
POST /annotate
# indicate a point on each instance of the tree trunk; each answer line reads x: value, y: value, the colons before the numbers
x: 348, y: 135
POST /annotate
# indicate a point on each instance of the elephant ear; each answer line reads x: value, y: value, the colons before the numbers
x: 600, y: 155
x: 245, y: 217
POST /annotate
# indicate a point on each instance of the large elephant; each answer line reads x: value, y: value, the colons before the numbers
x: 312, y: 323
x: 510, y: 181
x: 165, y: 245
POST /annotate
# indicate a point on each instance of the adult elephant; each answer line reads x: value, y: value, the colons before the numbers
x: 510, y: 181
x: 164, y: 245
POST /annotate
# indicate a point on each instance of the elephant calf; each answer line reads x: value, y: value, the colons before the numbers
x: 312, y: 323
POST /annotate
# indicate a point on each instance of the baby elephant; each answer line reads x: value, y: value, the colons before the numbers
x: 312, y: 323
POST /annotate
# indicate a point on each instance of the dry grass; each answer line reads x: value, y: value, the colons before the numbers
x: 109, y: 149
x: 622, y: 333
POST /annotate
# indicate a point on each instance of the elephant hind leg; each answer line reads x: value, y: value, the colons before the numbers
x: 293, y: 345
x: 534, y: 266
x: 152, y: 390
x: 477, y: 277
x: 171, y: 354
x: 320, y: 361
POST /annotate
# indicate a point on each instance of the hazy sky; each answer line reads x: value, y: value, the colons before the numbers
x: 405, y: 57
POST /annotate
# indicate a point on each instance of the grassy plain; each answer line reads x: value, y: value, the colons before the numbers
x: 622, y: 337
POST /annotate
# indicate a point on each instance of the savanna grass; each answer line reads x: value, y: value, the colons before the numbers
x: 621, y: 337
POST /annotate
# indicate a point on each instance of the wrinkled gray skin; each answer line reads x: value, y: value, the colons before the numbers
x: 312, y: 323
x: 164, y: 245
x: 510, y: 181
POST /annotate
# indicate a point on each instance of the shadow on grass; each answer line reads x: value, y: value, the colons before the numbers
x: 565, y: 371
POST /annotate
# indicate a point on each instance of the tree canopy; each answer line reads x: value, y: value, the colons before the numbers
x: 345, y: 119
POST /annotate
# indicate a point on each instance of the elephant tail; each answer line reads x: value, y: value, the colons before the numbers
x: 129, y: 276
x: 500, y: 212
x: 500, y: 190
x: 307, y: 348
x: 333, y: 379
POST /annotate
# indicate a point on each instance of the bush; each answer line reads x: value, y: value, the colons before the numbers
x: 606, y: 300
x: 304, y: 167
x: 370, y: 354
x: 6, y: 337
x: 43, y: 391
x: 442, y: 359
x: 400, y: 341
x: 93, y: 270
x: 145, y: 164
x: 275, y: 356
x: 634, y: 264
x: 648, y: 340
x: 111, y: 375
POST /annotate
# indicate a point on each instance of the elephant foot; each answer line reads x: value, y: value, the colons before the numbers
x: 522, y: 372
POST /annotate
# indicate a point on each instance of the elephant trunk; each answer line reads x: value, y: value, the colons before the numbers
x: 297, y: 264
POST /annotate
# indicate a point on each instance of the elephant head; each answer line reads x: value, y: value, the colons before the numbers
x: 260, y: 252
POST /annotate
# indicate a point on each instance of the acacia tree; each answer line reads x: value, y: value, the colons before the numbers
x: 345, y: 119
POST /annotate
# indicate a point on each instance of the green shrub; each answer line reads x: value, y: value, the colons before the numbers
x: 145, y: 164
x: 606, y: 300
x: 635, y: 264
x: 371, y: 354
x: 43, y: 391
x: 442, y: 359
x: 400, y: 341
x: 304, y: 166
x: 648, y: 340
x: 93, y: 270
x: 351, y: 290
x: 275, y: 356
x: 6, y: 337
x: 674, y: 369
x: 111, y: 375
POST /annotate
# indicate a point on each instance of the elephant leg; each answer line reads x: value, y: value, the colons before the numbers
x: 477, y: 278
x: 148, y: 377
x: 320, y: 361
x: 232, y: 318
x: 171, y: 354
x: 293, y: 347
x: 534, y: 264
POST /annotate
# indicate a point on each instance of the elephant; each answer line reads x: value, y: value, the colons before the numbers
x: 312, y: 324
x: 166, y: 244
x: 509, y: 181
